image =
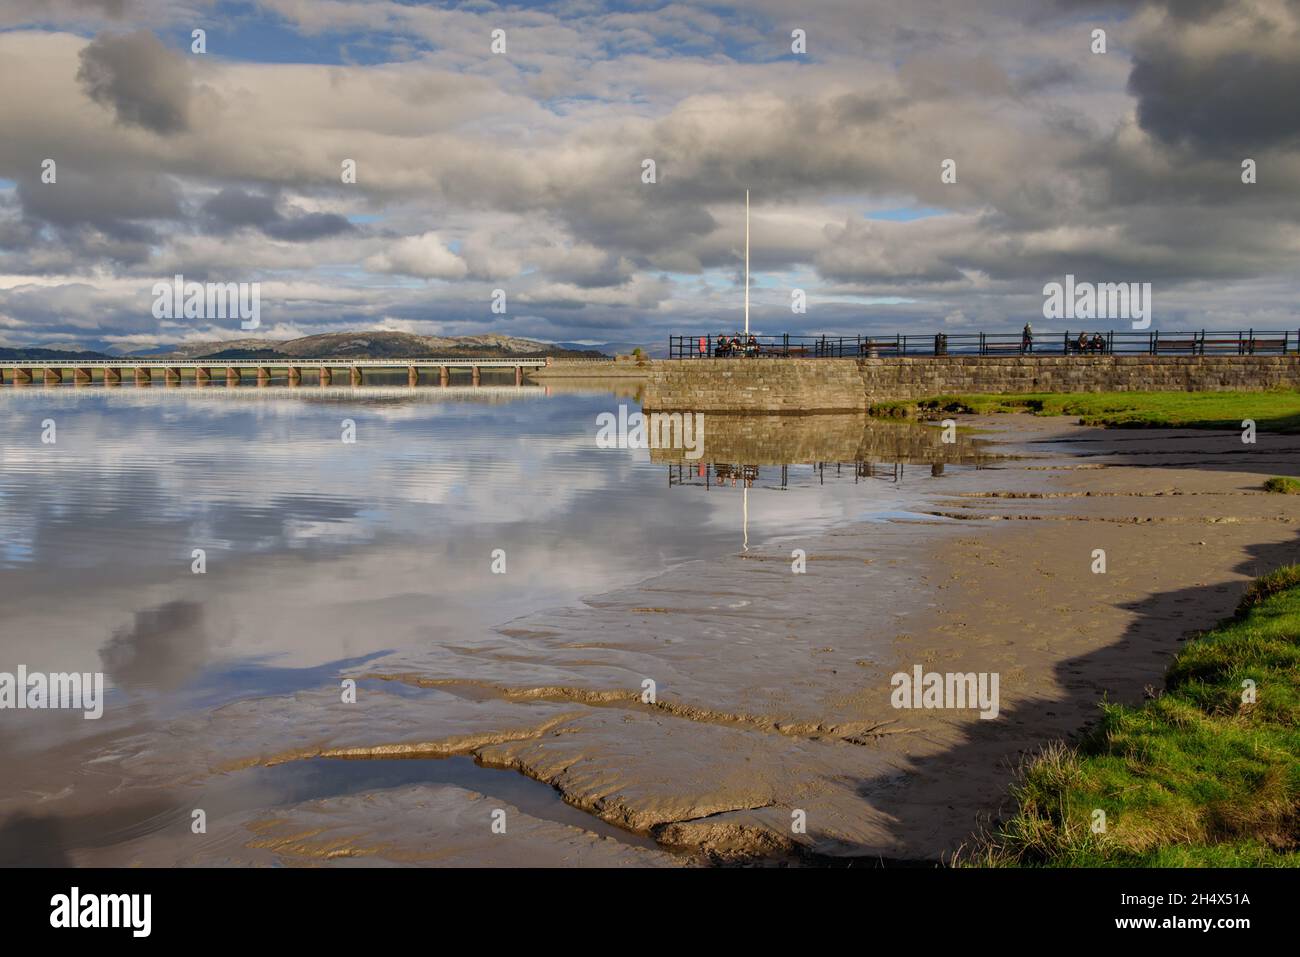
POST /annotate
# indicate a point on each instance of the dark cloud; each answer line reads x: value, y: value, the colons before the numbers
x: 110, y: 203
x: 1193, y: 11
x: 1226, y: 84
x: 15, y: 232
x: 234, y: 208
x: 54, y: 11
x: 309, y: 226
x: 144, y: 83
x: 609, y: 271
x: 112, y: 8
x: 1237, y: 101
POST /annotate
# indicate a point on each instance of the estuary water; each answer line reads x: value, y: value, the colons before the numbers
x: 206, y: 547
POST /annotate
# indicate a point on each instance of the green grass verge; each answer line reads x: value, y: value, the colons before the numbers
x: 1194, y: 778
x: 1283, y: 485
x: 1272, y: 411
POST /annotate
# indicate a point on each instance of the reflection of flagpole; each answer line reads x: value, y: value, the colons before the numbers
x: 746, y: 262
x: 745, y: 516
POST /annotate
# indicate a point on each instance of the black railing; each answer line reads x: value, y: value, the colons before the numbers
x: 1154, y: 343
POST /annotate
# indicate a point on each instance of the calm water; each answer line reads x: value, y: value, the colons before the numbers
x: 323, y: 554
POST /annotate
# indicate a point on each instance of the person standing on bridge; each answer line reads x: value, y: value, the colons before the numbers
x: 1027, y: 338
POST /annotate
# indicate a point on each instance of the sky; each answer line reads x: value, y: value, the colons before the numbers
x: 520, y: 166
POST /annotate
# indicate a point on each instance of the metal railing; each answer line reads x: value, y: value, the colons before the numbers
x: 1154, y: 343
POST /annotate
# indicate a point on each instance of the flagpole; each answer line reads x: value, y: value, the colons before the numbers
x: 745, y: 490
x: 746, y: 262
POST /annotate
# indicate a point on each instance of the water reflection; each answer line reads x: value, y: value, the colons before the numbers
x: 733, y: 475
x: 323, y: 556
x: 320, y: 552
x: 774, y: 452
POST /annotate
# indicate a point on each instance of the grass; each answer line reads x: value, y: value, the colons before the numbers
x: 1282, y: 485
x: 1272, y: 411
x: 1196, y: 777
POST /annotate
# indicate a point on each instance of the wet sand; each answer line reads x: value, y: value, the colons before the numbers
x: 772, y: 693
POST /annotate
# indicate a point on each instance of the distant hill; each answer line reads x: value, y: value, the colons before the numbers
x: 371, y: 345
x: 244, y: 354
x: 51, y: 354
x: 333, y: 345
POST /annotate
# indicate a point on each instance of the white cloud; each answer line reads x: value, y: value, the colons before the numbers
x: 423, y: 256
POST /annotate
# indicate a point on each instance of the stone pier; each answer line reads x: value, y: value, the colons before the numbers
x: 852, y: 385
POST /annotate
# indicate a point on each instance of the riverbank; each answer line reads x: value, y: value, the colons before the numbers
x: 1205, y: 775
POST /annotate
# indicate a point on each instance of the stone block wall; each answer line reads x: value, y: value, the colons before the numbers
x: 843, y: 385
x: 750, y: 385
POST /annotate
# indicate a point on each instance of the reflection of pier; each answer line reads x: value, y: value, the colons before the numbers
x: 722, y: 475
x: 202, y: 371
x: 854, y: 446
x: 708, y: 475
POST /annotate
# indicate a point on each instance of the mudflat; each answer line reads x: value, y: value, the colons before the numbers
x: 735, y: 711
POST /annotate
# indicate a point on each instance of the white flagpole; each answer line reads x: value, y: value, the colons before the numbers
x: 745, y: 490
x: 746, y: 262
